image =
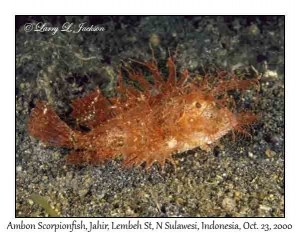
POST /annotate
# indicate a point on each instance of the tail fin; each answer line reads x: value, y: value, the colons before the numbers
x: 45, y: 125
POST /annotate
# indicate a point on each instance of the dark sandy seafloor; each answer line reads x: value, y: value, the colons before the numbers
x: 238, y: 178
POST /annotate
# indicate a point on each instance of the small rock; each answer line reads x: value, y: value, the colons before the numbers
x: 179, y: 201
x: 228, y: 204
x: 129, y: 212
x: 154, y: 39
x: 264, y: 207
x: 250, y: 154
x: 19, y: 168
x: 88, y: 181
x: 269, y: 153
x: 55, y: 155
x: 83, y: 192
x: 254, y: 30
x: 270, y: 74
x: 237, y: 195
x: 30, y: 202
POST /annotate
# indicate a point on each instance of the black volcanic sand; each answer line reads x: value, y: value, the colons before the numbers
x: 239, y: 178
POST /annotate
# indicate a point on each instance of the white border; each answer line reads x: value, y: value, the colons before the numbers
x: 7, y: 98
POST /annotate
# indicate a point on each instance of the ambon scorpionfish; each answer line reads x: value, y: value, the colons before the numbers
x: 150, y: 124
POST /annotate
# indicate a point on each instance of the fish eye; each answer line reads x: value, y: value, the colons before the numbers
x: 198, y: 105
